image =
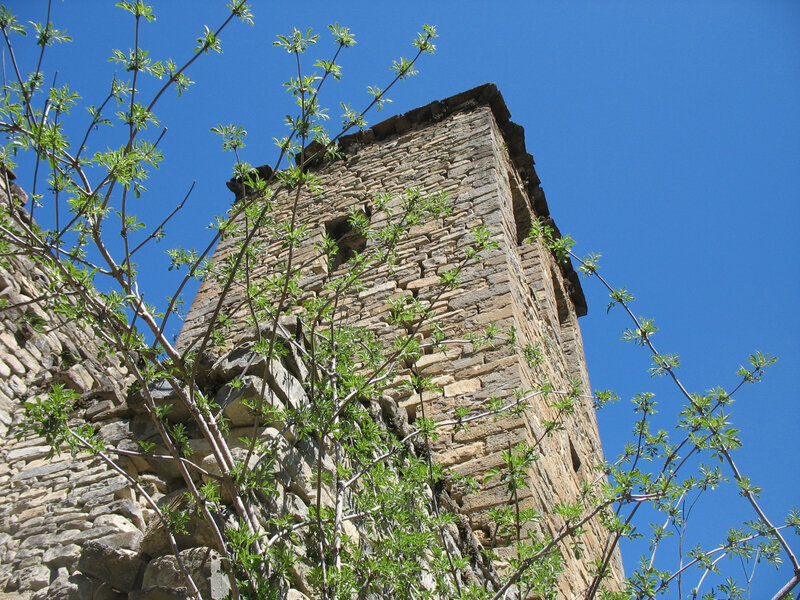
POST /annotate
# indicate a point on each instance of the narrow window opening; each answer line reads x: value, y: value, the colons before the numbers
x: 576, y: 460
x: 348, y: 241
x: 562, y: 304
x: 522, y: 211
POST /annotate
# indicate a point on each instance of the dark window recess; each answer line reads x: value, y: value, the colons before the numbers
x: 576, y: 460
x: 348, y: 241
x: 522, y: 211
x: 562, y: 304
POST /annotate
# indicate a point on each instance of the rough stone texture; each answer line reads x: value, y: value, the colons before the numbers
x: 73, y: 528
x: 464, y: 145
x: 123, y: 569
x: 203, y: 564
x: 51, y: 507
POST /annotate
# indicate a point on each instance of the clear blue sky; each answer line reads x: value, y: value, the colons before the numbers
x: 666, y: 135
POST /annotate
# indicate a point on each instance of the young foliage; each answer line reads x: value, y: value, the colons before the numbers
x: 378, y: 518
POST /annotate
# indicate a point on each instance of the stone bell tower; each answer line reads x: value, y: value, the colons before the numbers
x: 83, y: 526
x: 466, y: 146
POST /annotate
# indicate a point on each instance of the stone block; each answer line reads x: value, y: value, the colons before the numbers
x: 235, y: 400
x: 114, y: 433
x: 40, y: 471
x: 204, y: 566
x: 163, y: 394
x: 14, y: 365
x: 495, y: 315
x: 462, y: 387
x: 122, y: 569
x: 127, y: 508
x: 31, y: 578
x: 459, y: 453
x: 155, y: 541
x: 67, y: 587
x: 117, y: 521
x: 383, y: 288
x: 98, y: 409
x: 423, y: 283
x: 27, y: 454
x: 78, y: 378
x: 62, y: 556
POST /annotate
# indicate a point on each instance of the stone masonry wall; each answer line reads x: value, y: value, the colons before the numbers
x: 464, y: 145
x: 73, y: 528
x: 49, y: 507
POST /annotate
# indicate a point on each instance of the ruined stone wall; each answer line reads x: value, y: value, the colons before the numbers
x: 72, y: 527
x: 467, y: 147
x: 50, y: 506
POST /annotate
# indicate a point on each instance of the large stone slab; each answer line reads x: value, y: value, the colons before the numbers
x: 122, y: 569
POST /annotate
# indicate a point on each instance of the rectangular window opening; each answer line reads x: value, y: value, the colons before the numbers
x: 348, y: 241
x: 522, y: 211
x: 576, y: 460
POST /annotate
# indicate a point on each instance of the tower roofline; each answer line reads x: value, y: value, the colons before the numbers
x: 513, y: 136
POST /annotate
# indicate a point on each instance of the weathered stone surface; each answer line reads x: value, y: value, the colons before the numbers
x: 203, y: 565
x: 128, y: 509
x: 114, y: 433
x: 291, y: 335
x: 244, y: 361
x: 236, y: 400
x: 78, y: 378
x: 120, y: 568
x: 163, y: 394
x: 67, y: 587
x: 160, y: 593
x: 462, y: 387
x: 62, y: 556
x: 156, y: 542
x: 29, y: 453
x: 30, y: 578
x: 35, y: 472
